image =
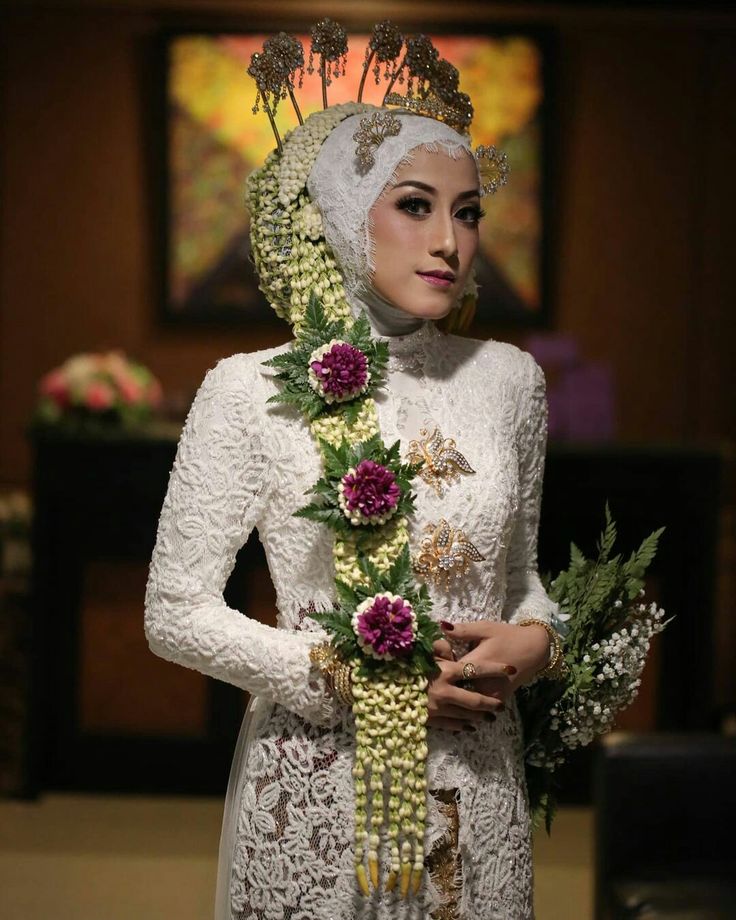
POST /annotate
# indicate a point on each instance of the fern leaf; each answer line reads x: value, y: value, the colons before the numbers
x: 352, y: 411
x: 314, y: 314
x: 647, y: 550
x: 371, y: 572
x: 608, y: 538
x: 576, y: 556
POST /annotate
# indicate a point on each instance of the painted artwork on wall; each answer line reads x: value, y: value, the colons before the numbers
x: 213, y: 140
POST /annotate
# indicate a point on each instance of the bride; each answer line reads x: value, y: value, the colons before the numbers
x: 395, y: 222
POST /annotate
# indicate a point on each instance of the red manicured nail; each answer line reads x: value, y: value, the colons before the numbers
x: 509, y: 669
x: 445, y: 625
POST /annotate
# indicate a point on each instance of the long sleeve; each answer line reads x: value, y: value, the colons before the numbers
x: 526, y: 596
x: 218, y: 488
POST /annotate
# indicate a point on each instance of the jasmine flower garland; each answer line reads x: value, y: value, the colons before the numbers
x: 382, y: 627
x: 291, y: 257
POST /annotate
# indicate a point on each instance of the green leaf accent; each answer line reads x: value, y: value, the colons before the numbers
x: 335, y: 459
x: 373, y: 574
x: 352, y: 410
x: 330, y: 516
x: 345, y: 594
x: 605, y: 543
x: 576, y: 557
x: 315, y: 318
x: 361, y: 331
x: 338, y: 625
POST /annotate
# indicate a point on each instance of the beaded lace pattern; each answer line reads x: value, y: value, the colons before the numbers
x: 242, y: 464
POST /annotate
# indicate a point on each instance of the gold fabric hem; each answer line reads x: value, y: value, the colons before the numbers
x: 443, y: 862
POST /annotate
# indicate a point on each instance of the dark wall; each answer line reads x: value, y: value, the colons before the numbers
x: 643, y: 265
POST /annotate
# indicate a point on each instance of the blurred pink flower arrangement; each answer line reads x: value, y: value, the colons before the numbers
x: 90, y: 390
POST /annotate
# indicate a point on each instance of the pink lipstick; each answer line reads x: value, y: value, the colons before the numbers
x: 438, y: 278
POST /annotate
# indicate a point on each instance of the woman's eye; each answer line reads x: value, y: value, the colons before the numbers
x: 471, y: 214
x: 414, y: 205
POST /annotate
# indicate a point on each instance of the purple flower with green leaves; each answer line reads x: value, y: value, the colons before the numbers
x: 385, y: 626
x: 368, y: 493
x: 338, y: 371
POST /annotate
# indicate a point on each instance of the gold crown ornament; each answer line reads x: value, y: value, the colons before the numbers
x: 431, y: 85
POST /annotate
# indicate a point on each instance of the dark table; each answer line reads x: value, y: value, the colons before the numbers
x: 101, y: 498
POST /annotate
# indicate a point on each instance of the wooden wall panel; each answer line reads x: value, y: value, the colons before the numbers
x: 643, y: 272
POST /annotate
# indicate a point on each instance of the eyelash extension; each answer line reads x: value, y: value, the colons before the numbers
x: 408, y: 199
x: 402, y: 204
x: 480, y: 214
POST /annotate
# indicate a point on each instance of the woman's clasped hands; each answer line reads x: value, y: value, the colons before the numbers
x: 505, y: 656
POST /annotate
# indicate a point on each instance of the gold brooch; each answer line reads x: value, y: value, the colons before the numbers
x: 493, y: 168
x: 371, y: 133
x: 444, y: 553
x: 439, y: 460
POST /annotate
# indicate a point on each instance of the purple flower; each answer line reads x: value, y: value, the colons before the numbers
x: 385, y: 626
x: 368, y: 493
x: 338, y: 371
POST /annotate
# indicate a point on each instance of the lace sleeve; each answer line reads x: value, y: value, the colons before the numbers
x: 218, y: 489
x: 526, y: 596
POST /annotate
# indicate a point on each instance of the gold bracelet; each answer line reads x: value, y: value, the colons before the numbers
x: 343, y: 683
x: 556, y: 667
x: 336, y: 673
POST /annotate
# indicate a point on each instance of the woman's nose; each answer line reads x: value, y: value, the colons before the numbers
x: 443, y: 241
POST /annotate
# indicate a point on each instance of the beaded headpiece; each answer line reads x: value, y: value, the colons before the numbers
x: 431, y: 84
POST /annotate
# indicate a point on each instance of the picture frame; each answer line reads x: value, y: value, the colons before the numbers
x: 211, y: 139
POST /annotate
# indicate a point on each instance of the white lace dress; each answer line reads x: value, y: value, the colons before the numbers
x: 287, y: 843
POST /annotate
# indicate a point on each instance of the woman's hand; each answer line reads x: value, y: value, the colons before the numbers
x: 525, y: 648
x: 454, y: 707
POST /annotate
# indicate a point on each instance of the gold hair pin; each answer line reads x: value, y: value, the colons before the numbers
x: 371, y: 133
x: 330, y: 44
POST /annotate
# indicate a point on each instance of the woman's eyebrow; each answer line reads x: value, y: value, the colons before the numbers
x: 471, y: 193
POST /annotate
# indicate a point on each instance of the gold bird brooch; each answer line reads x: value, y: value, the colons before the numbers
x: 440, y: 462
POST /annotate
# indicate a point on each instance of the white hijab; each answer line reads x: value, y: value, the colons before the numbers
x: 345, y: 195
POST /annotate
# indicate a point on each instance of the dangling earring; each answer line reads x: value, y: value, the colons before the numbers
x: 460, y: 318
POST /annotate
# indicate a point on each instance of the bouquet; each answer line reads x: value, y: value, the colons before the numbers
x: 606, y: 630
x: 92, y: 391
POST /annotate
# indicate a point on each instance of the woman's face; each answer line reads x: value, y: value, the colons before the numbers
x: 424, y: 228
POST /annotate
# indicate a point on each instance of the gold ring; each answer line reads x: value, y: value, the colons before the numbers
x: 468, y: 670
